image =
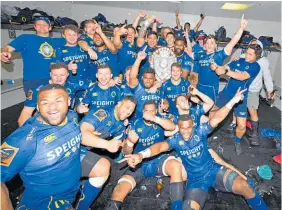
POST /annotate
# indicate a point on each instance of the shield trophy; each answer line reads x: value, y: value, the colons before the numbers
x: 162, y: 59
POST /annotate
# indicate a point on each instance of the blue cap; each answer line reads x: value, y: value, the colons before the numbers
x: 46, y: 19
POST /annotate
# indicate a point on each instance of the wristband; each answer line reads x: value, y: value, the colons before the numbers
x: 145, y: 153
x: 129, y: 143
x: 233, y: 101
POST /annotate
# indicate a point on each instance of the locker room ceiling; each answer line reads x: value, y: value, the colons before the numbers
x: 260, y: 10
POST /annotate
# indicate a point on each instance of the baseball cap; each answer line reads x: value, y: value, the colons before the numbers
x: 46, y: 19
x: 201, y: 36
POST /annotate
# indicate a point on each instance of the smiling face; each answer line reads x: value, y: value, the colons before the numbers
x: 130, y: 35
x: 179, y: 47
x: 53, y: 106
x: 170, y: 40
x: 104, y: 75
x: 71, y: 37
x: 41, y: 27
x: 176, y: 73
x: 152, y: 40
x: 182, y: 103
x: 148, y: 80
x: 210, y: 45
x: 59, y: 76
x: 250, y: 55
x: 125, y: 108
x: 185, y: 129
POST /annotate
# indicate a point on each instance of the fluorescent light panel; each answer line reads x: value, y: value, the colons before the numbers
x: 234, y: 6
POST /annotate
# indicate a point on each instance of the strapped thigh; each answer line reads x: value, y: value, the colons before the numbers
x: 194, y: 194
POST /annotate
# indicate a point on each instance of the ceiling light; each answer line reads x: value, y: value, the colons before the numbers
x: 233, y: 6
x: 175, y: 2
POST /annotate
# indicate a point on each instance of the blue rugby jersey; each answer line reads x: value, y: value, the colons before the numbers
x: 127, y: 55
x: 37, y: 54
x: 185, y: 61
x: 97, y: 97
x: 170, y: 91
x: 44, y: 156
x: 240, y: 66
x: 194, y: 153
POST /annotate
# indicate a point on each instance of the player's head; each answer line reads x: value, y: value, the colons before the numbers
x: 126, y: 107
x: 170, y: 38
x: 185, y: 125
x: 165, y: 31
x: 210, y: 44
x: 253, y: 53
x: 182, y: 103
x: 149, y: 78
x: 179, y: 45
x: 176, y: 71
x: 89, y: 27
x: 98, y: 41
x: 104, y: 74
x: 42, y: 25
x: 130, y: 33
x: 52, y: 103
x: 127, y: 73
x: 201, y: 38
x: 150, y: 106
x: 59, y: 73
x: 152, y: 39
x: 187, y: 26
x: 70, y: 33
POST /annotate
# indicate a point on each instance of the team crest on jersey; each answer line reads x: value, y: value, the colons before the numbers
x: 64, y: 51
x: 155, y: 126
x: 181, y: 142
x: 113, y: 94
x: 180, y: 61
x: 8, y: 153
x: 68, y: 90
x: 50, y: 138
x: 75, y: 122
x: 139, y: 130
x: 122, y: 86
x: 169, y: 88
x: 29, y: 95
x: 247, y: 67
x: 91, y: 42
x: 94, y: 94
x: 100, y: 114
x: 196, y: 138
x: 109, y: 123
x: 46, y: 50
x: 183, y: 88
x: 193, y: 117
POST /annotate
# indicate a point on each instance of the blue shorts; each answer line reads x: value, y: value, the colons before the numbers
x: 206, y: 180
x: 151, y: 168
x: 48, y: 203
x: 210, y: 91
x: 240, y: 109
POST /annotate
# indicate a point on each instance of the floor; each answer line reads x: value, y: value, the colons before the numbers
x: 144, y: 196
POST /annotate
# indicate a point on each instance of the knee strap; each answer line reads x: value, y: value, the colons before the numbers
x: 127, y: 180
x: 98, y: 181
x: 176, y: 191
x: 187, y: 205
x: 230, y: 180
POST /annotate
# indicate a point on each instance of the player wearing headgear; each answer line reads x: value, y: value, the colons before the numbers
x: 101, y: 94
x: 58, y: 75
x: 242, y: 73
x: 37, y: 51
x: 208, y: 79
x: 145, y: 132
x: 45, y: 152
x: 203, y: 168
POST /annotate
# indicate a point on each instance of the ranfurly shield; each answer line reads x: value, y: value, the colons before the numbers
x: 162, y: 59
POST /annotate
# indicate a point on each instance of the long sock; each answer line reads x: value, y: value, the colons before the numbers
x: 257, y: 203
x: 176, y: 195
x: 88, y: 195
x: 254, y: 126
x: 237, y: 139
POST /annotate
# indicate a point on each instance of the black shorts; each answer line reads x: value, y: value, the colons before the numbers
x: 88, y: 162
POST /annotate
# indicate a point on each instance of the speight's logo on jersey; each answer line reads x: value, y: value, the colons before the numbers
x: 8, y: 153
x: 46, y: 50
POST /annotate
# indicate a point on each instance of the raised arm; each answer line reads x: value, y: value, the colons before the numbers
x: 141, y: 35
x: 199, y: 23
x: 207, y: 101
x: 177, y: 20
x: 84, y: 45
x: 119, y: 32
x: 189, y: 50
x: 220, y: 114
x: 6, y: 53
x: 140, y: 15
x: 166, y: 124
x: 229, y: 47
x: 133, y: 76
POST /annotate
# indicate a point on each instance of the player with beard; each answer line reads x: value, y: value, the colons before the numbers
x: 145, y: 132
x: 204, y: 169
x: 182, y: 57
x: 101, y: 94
